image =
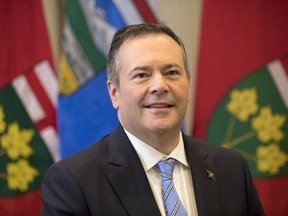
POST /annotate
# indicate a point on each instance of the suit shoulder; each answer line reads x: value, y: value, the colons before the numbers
x: 84, y: 158
x: 212, y: 149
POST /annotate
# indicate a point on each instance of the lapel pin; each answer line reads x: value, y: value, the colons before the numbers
x: 210, y: 175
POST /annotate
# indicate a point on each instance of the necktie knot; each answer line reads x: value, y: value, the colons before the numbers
x: 166, y: 168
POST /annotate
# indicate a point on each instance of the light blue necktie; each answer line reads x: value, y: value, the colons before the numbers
x: 172, y: 203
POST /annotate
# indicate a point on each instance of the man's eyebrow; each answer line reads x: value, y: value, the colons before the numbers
x: 148, y: 68
x: 169, y: 66
x: 141, y: 68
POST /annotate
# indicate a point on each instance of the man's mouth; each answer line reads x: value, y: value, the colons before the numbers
x: 151, y: 106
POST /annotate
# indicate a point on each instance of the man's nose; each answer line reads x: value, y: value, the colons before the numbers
x: 158, y: 84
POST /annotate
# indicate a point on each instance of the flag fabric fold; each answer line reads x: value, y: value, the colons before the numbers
x: 28, y: 102
x: 242, y: 90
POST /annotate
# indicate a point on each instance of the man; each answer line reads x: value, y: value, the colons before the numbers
x: 122, y: 174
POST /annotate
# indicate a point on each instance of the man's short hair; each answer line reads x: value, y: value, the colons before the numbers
x: 134, y: 31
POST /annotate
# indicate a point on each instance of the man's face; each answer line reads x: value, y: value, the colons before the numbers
x: 153, y: 90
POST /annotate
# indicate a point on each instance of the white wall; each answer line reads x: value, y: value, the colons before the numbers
x: 183, y: 16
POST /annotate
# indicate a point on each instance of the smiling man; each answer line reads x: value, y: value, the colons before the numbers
x: 147, y: 166
x: 152, y: 93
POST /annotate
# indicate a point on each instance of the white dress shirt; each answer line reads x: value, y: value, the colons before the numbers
x: 182, y: 177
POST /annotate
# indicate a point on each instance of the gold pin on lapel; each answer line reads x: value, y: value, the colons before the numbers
x: 210, y: 175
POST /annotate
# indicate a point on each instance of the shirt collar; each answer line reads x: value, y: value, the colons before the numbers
x: 149, y: 156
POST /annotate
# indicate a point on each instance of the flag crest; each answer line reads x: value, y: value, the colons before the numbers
x: 85, y: 112
x: 254, y: 121
x: 27, y: 133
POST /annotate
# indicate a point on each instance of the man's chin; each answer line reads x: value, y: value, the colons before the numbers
x: 163, y: 127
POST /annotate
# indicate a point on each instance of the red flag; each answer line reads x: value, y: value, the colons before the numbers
x: 28, y: 90
x: 240, y: 44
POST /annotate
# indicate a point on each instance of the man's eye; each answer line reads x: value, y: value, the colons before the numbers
x: 141, y: 75
x: 173, y: 72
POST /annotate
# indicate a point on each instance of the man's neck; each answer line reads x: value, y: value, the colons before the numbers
x: 164, y: 142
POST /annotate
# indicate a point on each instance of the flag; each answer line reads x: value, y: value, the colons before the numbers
x: 28, y: 93
x: 242, y: 90
x: 85, y: 112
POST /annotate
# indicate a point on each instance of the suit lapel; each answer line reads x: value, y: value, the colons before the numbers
x: 129, y: 181
x: 128, y: 177
x: 205, y: 186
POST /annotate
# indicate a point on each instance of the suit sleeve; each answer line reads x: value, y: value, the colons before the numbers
x: 254, y: 206
x: 61, y: 194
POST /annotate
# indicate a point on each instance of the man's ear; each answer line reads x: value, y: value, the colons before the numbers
x: 114, y: 94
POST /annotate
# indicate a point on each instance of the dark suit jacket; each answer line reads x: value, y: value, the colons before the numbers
x: 108, y: 179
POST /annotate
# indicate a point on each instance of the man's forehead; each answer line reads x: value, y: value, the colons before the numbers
x: 131, y: 38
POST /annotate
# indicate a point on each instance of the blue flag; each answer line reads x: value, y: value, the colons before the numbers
x: 85, y: 112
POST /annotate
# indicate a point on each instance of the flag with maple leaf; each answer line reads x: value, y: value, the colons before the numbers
x: 28, y: 92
